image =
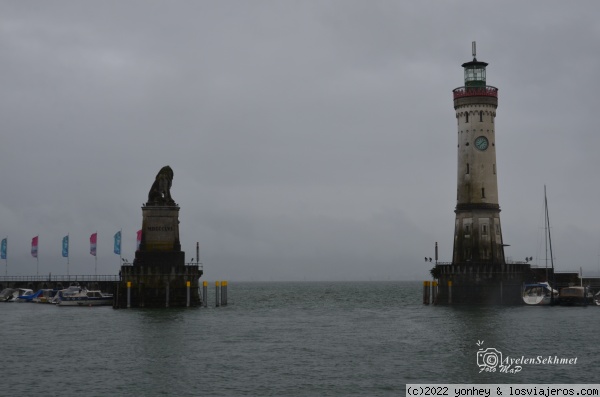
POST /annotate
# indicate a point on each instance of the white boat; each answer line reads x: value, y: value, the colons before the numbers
x: 539, y: 294
x: 86, y: 298
x: 6, y: 294
x: 597, y: 299
x: 70, y: 291
x: 12, y: 294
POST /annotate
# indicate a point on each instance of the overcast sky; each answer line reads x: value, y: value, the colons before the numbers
x: 309, y: 139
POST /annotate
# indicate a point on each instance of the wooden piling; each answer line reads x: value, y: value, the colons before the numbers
x: 167, y: 295
x: 187, y: 285
x: 223, y: 293
x: 217, y: 293
x: 129, y: 294
x: 205, y: 293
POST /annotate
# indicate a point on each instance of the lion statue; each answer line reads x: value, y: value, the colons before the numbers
x: 160, y: 193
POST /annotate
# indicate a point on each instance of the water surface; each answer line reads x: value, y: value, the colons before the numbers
x: 288, y: 339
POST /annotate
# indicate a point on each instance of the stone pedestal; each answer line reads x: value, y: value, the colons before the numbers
x: 160, y: 229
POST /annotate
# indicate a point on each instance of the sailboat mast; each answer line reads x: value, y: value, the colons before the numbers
x: 549, y: 234
x: 550, y: 245
x: 546, y: 231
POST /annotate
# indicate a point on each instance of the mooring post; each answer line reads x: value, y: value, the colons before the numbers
x: 434, y: 291
x: 430, y: 291
x: 187, y: 285
x: 425, y: 292
x: 217, y: 292
x: 167, y: 296
x: 205, y: 293
x: 129, y: 294
x: 449, y: 291
x: 501, y: 297
x: 223, y: 293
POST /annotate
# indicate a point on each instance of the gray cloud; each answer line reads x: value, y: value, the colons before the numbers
x: 309, y: 139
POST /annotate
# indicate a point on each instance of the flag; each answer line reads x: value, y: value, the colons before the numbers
x: 118, y: 243
x: 34, y: 247
x: 93, y: 239
x: 65, y: 246
x: 3, y: 249
x: 139, y: 239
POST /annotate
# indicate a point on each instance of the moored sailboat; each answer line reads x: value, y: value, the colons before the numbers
x: 543, y: 293
x: 539, y: 294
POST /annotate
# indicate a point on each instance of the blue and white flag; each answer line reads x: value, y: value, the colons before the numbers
x: 118, y: 243
x: 65, y: 246
x: 3, y: 249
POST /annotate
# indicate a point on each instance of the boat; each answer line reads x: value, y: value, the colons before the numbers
x: 539, y: 294
x: 12, y: 294
x: 70, y: 291
x: 44, y: 295
x: 6, y: 294
x: 542, y: 293
x: 28, y: 297
x: 597, y: 298
x: 41, y: 296
x: 575, y: 295
x: 86, y: 298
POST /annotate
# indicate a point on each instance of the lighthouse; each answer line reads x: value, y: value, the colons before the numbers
x: 478, y: 273
x: 477, y: 230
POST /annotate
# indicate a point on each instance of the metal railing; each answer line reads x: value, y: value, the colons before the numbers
x: 488, y: 90
x: 70, y: 278
x: 199, y: 264
x: 509, y: 262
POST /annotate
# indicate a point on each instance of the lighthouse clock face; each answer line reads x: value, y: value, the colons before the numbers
x: 481, y: 143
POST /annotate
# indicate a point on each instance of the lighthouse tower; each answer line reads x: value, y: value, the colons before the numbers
x: 478, y: 273
x: 477, y: 231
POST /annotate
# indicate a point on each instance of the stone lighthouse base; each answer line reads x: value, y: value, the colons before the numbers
x: 485, y: 284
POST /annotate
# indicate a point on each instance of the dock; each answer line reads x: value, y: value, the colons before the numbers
x: 104, y: 283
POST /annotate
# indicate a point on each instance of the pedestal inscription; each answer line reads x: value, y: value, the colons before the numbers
x: 160, y: 229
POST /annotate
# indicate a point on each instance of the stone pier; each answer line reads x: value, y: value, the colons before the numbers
x: 481, y: 283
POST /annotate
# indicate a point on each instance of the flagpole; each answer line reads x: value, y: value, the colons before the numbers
x: 96, y: 256
x: 120, y: 248
x: 68, y: 242
x: 6, y: 257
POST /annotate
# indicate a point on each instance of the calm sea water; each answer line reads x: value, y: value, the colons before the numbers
x: 288, y: 339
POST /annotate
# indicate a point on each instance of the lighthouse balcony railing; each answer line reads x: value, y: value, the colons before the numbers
x: 487, y: 90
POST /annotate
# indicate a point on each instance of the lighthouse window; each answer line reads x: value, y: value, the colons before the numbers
x: 497, y: 229
x: 467, y: 168
x: 481, y: 116
x: 482, y: 192
x: 466, y: 117
x: 484, y: 230
x: 494, y: 169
